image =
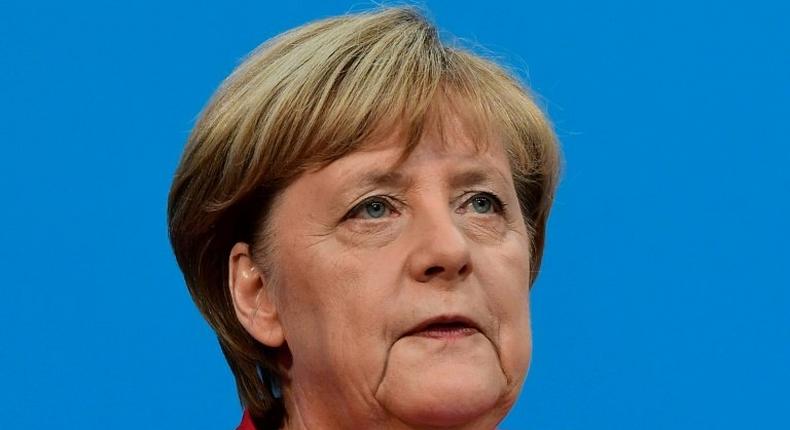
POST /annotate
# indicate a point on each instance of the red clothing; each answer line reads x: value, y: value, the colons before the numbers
x: 246, y: 422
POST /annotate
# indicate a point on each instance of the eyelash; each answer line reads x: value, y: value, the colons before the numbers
x: 499, y: 205
x: 388, y: 201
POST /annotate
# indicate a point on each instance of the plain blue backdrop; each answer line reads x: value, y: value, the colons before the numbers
x: 663, y: 302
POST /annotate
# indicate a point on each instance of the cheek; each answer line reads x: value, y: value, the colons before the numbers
x: 333, y: 305
x: 515, y: 341
x: 505, y: 273
x: 317, y: 293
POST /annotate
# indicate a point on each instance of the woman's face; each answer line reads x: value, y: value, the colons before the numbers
x: 403, y: 289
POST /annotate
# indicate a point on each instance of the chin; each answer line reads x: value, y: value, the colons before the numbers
x: 451, y: 397
x: 458, y: 409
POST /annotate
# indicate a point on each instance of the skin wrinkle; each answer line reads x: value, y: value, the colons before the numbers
x: 508, y: 377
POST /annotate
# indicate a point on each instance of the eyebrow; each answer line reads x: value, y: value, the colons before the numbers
x: 397, y: 180
x: 472, y: 177
x: 391, y: 179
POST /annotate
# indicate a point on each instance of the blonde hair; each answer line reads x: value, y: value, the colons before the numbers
x: 311, y: 96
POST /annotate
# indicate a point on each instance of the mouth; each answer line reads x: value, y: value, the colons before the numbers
x: 445, y: 327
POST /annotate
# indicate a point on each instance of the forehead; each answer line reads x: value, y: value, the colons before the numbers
x: 451, y: 146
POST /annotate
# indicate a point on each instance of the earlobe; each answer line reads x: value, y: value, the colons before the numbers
x: 252, y: 300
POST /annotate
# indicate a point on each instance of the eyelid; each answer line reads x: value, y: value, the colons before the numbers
x: 499, y: 205
x: 387, y: 200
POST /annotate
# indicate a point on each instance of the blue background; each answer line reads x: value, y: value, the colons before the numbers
x: 663, y: 301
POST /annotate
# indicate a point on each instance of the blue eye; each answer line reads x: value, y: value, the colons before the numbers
x: 485, y: 203
x: 373, y: 208
x: 482, y: 204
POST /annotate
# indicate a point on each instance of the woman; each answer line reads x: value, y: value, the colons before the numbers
x: 359, y: 214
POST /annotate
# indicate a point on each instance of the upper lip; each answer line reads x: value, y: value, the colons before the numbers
x: 443, y: 319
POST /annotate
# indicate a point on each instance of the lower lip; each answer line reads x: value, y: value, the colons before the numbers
x: 447, y: 333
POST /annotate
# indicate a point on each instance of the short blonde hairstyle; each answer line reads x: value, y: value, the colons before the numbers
x: 311, y: 96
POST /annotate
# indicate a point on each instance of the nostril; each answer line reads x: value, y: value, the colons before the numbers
x: 433, y: 270
x: 464, y: 270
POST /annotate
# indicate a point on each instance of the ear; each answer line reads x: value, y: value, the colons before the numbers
x: 252, y: 301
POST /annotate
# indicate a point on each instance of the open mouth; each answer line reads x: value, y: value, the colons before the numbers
x: 445, y: 328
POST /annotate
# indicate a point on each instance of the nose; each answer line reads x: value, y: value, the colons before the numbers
x: 440, y: 249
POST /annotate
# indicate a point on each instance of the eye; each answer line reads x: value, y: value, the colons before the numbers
x: 372, y: 208
x: 485, y: 203
x: 482, y: 204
